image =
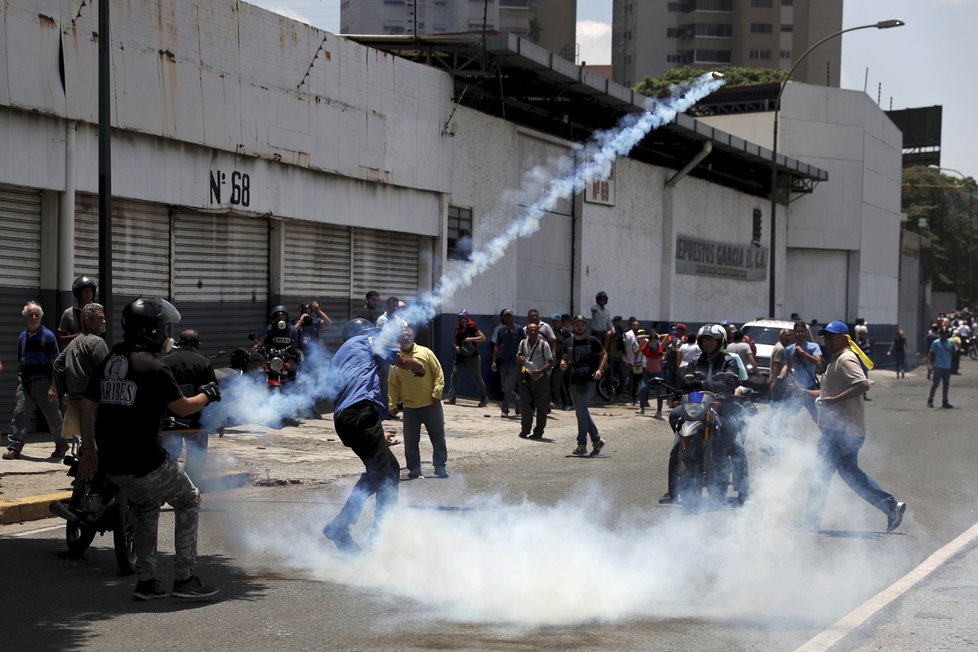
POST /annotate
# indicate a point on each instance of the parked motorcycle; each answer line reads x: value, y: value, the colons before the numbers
x: 97, y: 506
x: 700, y: 428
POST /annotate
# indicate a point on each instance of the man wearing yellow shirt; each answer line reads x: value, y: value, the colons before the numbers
x: 420, y: 394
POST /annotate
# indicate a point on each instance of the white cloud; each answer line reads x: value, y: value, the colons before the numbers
x: 595, y: 40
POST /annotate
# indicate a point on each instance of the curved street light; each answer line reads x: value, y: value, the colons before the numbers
x: 883, y: 24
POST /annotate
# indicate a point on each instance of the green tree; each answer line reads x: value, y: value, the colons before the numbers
x: 735, y: 76
x: 942, y: 208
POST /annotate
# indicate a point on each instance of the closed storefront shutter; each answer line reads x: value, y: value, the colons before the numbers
x: 317, y: 266
x: 140, y: 247
x: 385, y: 261
x: 20, y: 281
x: 221, y: 276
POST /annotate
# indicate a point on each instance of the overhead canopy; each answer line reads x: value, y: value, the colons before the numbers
x: 523, y: 83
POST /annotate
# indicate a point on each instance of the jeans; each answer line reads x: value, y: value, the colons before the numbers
x: 33, y: 393
x: 585, y: 424
x: 474, y: 367
x: 509, y: 376
x: 433, y: 419
x: 359, y: 428
x: 534, y: 393
x: 839, y: 452
x: 165, y: 484
x: 942, y: 377
x: 643, y: 395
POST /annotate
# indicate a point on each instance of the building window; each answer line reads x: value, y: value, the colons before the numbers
x: 785, y: 54
x: 671, y: 32
x: 679, y: 7
x: 762, y: 3
x: 713, y: 29
x: 711, y: 56
x: 787, y: 28
x: 711, y: 5
x: 761, y: 28
x: 759, y: 55
x: 459, y: 233
x: 679, y: 58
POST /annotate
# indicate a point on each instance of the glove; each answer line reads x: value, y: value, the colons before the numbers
x: 212, y: 391
x: 692, y: 386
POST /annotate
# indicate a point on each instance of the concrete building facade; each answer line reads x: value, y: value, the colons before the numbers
x: 649, y: 38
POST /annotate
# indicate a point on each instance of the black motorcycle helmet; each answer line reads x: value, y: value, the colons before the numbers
x: 144, y: 322
x: 279, y: 318
x: 83, y: 282
x: 358, y: 326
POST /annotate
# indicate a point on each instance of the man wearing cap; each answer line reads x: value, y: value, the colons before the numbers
x: 841, y: 419
x: 506, y: 339
x: 939, y: 361
x: 467, y: 338
x: 585, y: 359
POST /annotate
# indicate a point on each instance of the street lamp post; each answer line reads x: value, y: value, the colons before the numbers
x: 883, y: 24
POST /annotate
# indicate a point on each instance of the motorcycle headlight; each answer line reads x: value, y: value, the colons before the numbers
x: 276, y: 364
x: 694, y: 410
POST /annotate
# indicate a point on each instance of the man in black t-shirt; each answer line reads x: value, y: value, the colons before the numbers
x: 132, y: 388
x: 584, y: 360
x: 191, y: 370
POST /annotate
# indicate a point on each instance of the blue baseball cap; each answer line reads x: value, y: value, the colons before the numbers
x: 463, y: 313
x: 835, y: 327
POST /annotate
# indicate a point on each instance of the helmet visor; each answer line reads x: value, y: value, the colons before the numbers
x: 169, y: 314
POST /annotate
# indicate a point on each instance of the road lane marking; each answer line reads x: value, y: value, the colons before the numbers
x: 845, y: 625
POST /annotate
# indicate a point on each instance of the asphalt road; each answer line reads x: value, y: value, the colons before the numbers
x: 528, y: 547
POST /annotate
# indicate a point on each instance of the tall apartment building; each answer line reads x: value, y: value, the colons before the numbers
x: 651, y: 36
x: 551, y: 24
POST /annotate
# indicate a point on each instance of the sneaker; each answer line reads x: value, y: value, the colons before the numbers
x: 149, y: 590
x: 11, y: 454
x: 667, y: 499
x: 340, y: 535
x: 947, y: 406
x: 504, y: 415
x: 657, y: 415
x: 580, y: 451
x: 192, y: 588
x: 640, y: 412
x: 60, y: 450
x: 930, y: 403
x: 536, y: 435
x: 441, y: 472
x: 414, y: 475
x: 894, y: 519
x: 597, y: 446
x: 524, y: 435
x: 483, y: 404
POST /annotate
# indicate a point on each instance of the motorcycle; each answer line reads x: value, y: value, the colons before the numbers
x: 700, y: 428
x: 970, y: 347
x: 97, y: 506
x: 280, y: 366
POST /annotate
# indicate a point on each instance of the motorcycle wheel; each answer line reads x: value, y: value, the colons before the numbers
x: 717, y: 475
x: 689, y: 482
x: 973, y: 353
x: 607, y: 387
x: 124, y: 536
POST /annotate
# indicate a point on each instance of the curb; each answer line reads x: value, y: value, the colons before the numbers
x: 33, y: 508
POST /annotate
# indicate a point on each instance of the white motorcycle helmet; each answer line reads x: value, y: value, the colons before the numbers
x: 712, y: 330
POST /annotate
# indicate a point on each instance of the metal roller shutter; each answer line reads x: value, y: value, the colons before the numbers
x: 220, y: 277
x: 385, y: 261
x: 20, y: 281
x: 140, y: 246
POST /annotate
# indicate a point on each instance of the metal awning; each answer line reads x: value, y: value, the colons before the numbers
x: 515, y: 79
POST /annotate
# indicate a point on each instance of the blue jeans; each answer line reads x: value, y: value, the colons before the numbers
x: 585, y: 424
x: 433, y: 419
x: 509, y: 377
x: 839, y: 452
x: 942, y: 377
x: 33, y: 395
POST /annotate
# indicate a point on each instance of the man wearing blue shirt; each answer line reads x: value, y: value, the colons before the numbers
x: 37, y: 349
x: 802, y: 359
x: 359, y: 393
x: 939, y: 367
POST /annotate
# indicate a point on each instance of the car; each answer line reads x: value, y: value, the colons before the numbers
x: 764, y: 334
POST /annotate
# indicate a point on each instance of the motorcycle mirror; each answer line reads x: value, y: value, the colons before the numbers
x: 655, y: 380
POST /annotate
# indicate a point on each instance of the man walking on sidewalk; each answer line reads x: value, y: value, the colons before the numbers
x: 939, y: 360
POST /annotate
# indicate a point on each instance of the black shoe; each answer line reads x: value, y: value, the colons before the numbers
x: 191, y: 588
x: 524, y: 435
x: 483, y: 404
x: 667, y: 499
x: 149, y: 590
x: 415, y: 475
x: 441, y: 472
x: 340, y: 535
x: 866, y: 398
x: 536, y: 435
x: 894, y: 519
x: 597, y: 446
x: 930, y: 403
x: 947, y: 406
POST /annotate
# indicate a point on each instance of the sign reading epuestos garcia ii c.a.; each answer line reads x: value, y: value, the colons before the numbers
x: 709, y: 258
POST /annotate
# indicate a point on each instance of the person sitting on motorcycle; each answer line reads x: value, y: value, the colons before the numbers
x: 279, y: 334
x: 719, y: 371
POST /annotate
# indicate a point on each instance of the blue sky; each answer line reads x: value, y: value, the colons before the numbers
x: 924, y: 63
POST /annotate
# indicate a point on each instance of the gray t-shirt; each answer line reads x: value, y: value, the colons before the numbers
x: 79, y: 360
x: 70, y: 321
x: 741, y: 350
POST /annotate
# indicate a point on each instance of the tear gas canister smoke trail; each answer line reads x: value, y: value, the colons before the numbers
x: 598, y: 155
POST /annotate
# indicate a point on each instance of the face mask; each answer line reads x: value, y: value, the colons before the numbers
x: 167, y: 345
x: 280, y: 325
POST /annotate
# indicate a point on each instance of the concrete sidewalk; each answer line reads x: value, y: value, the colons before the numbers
x: 310, y: 453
